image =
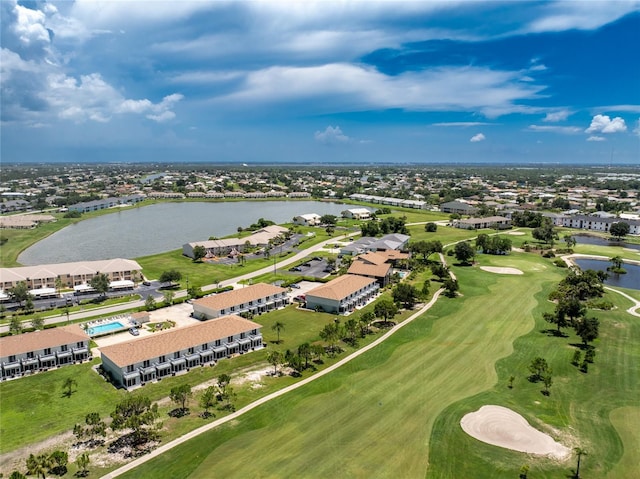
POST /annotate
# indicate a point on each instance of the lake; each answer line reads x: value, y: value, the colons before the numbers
x: 630, y: 280
x: 134, y: 232
x: 599, y: 241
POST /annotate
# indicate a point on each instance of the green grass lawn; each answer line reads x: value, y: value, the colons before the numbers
x: 395, y: 411
x: 444, y: 234
x: 373, y: 417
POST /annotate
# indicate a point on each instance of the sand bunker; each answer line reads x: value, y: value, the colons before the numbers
x: 503, y: 427
x: 493, y: 269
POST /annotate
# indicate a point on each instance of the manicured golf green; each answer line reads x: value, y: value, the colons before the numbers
x: 374, y: 417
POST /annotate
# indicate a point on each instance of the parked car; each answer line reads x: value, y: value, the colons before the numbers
x: 296, y: 286
x: 307, y: 264
x: 147, y: 283
x: 134, y: 331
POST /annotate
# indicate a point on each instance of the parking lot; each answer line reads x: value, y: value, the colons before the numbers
x: 303, y: 288
x: 313, y: 267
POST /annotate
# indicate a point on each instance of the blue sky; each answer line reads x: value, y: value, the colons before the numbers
x: 342, y: 82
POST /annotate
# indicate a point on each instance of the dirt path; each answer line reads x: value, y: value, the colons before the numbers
x: 176, y: 442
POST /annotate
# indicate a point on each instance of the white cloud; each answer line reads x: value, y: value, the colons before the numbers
x: 563, y: 15
x: 604, y: 124
x: 331, y: 136
x: 636, y: 130
x: 477, y: 138
x: 555, y: 116
x: 596, y: 138
x: 567, y: 130
x: 29, y: 26
x: 91, y: 98
x: 356, y: 87
x: 463, y: 123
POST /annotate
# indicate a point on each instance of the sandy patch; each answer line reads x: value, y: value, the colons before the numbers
x: 493, y: 269
x: 516, y: 233
x: 503, y: 427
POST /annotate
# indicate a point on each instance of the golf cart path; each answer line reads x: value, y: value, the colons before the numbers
x: 196, y: 432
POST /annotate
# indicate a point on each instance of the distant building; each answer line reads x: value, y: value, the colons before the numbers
x: 311, y: 219
x: 222, y: 247
x: 174, y: 351
x: 105, y: 203
x: 356, y: 214
x: 482, y: 223
x: 72, y: 274
x: 42, y: 350
x: 343, y: 294
x: 394, y: 241
x: 458, y: 207
x: 596, y: 223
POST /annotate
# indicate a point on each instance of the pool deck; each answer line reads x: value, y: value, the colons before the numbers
x: 179, y: 313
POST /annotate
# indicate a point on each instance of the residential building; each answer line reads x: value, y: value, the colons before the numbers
x: 225, y: 246
x: 105, y: 203
x: 310, y: 219
x: 458, y: 207
x: 167, y: 353
x: 482, y: 223
x: 41, y: 350
x: 24, y: 221
x: 393, y: 241
x: 343, y: 294
x: 372, y: 265
x: 596, y: 223
x: 254, y: 299
x: 356, y: 214
x: 72, y: 274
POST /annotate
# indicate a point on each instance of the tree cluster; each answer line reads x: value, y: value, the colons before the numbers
x: 92, y: 429
x: 425, y: 248
x: 526, y: 219
x: 464, y: 252
x: 493, y: 244
x: 383, y: 227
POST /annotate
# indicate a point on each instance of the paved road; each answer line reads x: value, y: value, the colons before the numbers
x: 196, y: 432
x: 115, y: 309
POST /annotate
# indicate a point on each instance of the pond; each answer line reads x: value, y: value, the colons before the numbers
x: 630, y: 280
x: 599, y: 241
x: 161, y: 227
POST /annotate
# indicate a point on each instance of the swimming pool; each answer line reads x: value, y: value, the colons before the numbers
x: 101, y: 329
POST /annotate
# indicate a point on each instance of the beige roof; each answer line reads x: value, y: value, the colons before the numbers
x: 61, y: 269
x: 341, y: 287
x: 167, y: 342
x: 372, y: 258
x: 368, y: 269
x: 239, y: 296
x: 392, y: 254
x: 47, y: 338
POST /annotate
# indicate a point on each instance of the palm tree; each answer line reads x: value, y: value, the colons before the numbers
x: 278, y: 327
x: 59, y: 284
x: 616, y: 264
x: 67, y: 386
x: 580, y: 452
x: 39, y: 465
x: 82, y: 462
x: 274, y: 358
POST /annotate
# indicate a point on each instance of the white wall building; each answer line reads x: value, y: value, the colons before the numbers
x: 174, y: 351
